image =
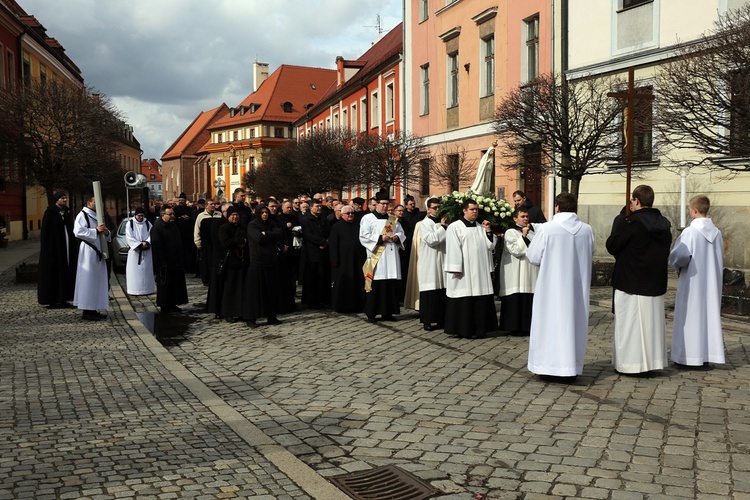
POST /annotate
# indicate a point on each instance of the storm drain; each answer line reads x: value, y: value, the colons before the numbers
x: 381, y: 483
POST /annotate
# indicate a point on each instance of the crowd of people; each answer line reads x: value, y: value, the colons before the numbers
x: 374, y: 257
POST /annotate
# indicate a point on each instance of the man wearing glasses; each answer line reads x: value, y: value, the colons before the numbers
x: 169, y: 268
x: 431, y: 278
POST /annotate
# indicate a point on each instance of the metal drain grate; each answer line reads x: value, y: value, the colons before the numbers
x: 387, y: 482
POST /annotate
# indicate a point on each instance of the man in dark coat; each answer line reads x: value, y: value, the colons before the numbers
x: 58, y: 256
x: 535, y: 213
x: 640, y: 243
x: 184, y: 223
x: 262, y: 284
x: 288, y: 258
x: 316, y: 282
x: 347, y: 258
x: 167, y: 248
x: 216, y: 281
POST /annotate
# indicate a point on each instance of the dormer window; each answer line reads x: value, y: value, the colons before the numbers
x: 254, y: 107
x: 287, y: 107
x: 232, y: 112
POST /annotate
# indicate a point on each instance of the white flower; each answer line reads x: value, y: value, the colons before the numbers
x: 481, y: 207
x: 497, y: 214
x: 486, y: 209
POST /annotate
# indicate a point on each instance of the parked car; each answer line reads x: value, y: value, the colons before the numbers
x: 120, y: 245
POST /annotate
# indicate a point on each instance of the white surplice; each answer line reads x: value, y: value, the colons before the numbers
x: 640, y: 340
x: 92, y: 286
x: 431, y: 255
x: 389, y: 264
x: 517, y: 274
x: 468, y: 251
x: 139, y: 269
x: 563, y: 249
x: 698, y: 255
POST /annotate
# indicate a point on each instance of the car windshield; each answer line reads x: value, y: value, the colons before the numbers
x: 121, y: 229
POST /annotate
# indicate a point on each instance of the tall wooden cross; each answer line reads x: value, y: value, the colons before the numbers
x: 631, y: 96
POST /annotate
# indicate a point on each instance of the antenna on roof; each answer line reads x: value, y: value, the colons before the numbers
x: 377, y: 26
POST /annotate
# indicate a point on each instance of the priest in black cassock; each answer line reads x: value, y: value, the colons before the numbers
x: 167, y: 252
x: 262, y: 285
x: 347, y: 258
x: 58, y: 256
x: 316, y: 282
x: 233, y: 241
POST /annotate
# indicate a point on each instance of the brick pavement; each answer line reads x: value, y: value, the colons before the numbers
x: 344, y: 395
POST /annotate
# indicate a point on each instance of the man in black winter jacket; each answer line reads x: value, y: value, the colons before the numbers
x: 640, y: 243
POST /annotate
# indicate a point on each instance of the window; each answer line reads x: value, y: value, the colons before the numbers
x: 424, y: 10
x: 354, y: 117
x: 642, y: 127
x: 627, y: 4
x: 487, y: 73
x: 390, y: 103
x: 287, y: 107
x: 219, y: 167
x: 278, y: 132
x: 235, y: 169
x: 2, y: 67
x: 452, y: 88
x: 219, y: 137
x: 531, y: 53
x: 345, y: 118
x: 42, y: 74
x: 252, y: 132
x: 236, y: 135
x: 26, y: 70
x: 336, y: 120
x: 424, y: 90
x: 363, y: 125
x: 425, y: 177
x: 153, y: 177
x: 11, y: 70
x: 739, y: 118
x: 375, y: 103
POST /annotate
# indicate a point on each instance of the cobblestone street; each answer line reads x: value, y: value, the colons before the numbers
x: 102, y: 410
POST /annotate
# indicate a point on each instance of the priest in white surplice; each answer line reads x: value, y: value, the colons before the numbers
x: 698, y: 255
x: 563, y: 249
x: 92, y: 285
x: 139, y: 270
x: 430, y: 274
x: 640, y: 243
x: 470, y: 309
x: 382, y: 245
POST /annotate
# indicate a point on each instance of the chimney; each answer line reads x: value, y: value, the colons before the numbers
x: 260, y: 73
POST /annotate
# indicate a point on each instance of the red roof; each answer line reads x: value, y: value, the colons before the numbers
x: 297, y: 85
x: 384, y: 49
x: 199, y: 124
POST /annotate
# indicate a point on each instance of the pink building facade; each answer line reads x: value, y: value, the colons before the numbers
x: 460, y: 58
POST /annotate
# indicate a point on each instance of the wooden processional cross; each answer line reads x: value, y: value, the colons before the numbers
x: 631, y: 96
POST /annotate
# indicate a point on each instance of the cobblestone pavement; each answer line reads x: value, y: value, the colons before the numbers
x: 92, y: 413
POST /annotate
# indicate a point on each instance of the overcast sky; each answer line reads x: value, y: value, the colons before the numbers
x: 164, y: 61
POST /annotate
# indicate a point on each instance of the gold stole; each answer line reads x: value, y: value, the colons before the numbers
x: 372, y: 261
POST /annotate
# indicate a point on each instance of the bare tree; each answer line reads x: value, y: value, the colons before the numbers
x: 574, y: 124
x: 392, y: 159
x: 63, y: 136
x: 704, y: 96
x: 451, y: 166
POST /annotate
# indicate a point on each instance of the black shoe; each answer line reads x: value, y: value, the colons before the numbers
x: 389, y: 318
x: 428, y: 327
x: 251, y: 324
x: 175, y: 309
x: 101, y: 316
x: 91, y: 316
x: 274, y: 321
x: 231, y: 320
x: 372, y: 319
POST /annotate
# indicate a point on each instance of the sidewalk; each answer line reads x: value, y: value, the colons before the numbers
x: 102, y: 410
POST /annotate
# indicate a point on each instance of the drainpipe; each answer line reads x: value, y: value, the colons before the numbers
x: 22, y: 164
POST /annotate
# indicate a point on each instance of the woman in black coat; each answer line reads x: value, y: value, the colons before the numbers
x: 233, y: 241
x: 265, y: 239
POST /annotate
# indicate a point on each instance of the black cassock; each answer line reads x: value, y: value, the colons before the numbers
x: 233, y: 241
x: 58, y: 258
x: 347, y: 258
x: 167, y: 251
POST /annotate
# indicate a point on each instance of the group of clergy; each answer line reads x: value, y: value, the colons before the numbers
x: 350, y: 258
